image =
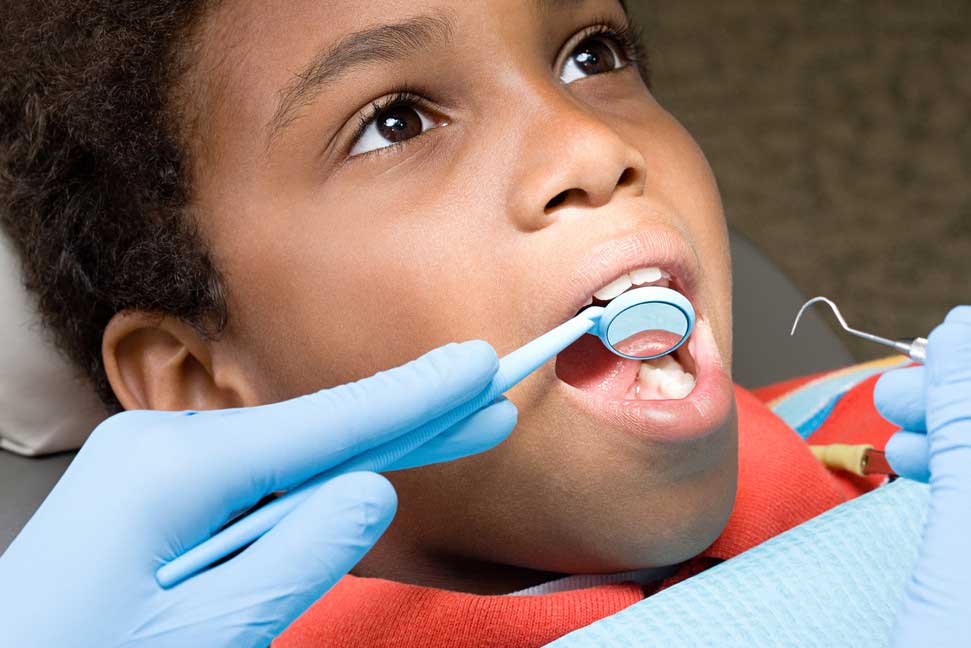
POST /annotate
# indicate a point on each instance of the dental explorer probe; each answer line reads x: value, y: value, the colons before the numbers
x: 861, y: 459
x: 915, y: 349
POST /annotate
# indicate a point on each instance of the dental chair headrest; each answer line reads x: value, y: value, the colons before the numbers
x: 45, y: 405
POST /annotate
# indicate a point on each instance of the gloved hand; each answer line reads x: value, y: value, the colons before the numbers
x: 933, y: 405
x: 149, y: 485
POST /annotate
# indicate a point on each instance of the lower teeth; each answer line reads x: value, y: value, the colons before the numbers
x: 661, y: 379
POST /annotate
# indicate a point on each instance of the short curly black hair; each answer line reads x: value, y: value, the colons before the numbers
x: 94, y: 180
x: 94, y: 172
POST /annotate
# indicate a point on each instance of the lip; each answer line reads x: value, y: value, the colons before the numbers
x: 660, y: 247
x: 692, y: 418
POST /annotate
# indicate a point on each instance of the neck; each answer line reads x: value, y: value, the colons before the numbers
x: 392, y: 561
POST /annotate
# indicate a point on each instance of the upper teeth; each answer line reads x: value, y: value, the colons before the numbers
x: 639, y: 277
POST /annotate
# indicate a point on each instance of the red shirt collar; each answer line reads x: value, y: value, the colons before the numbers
x: 780, y: 485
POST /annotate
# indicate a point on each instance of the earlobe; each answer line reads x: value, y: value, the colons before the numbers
x: 158, y: 362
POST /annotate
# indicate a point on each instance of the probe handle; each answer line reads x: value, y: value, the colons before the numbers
x: 918, y: 350
x: 513, y: 368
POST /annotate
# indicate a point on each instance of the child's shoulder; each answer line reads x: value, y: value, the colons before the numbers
x: 836, y: 407
x: 814, y: 404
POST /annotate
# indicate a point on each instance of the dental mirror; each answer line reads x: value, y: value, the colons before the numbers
x: 646, y: 323
x: 640, y: 324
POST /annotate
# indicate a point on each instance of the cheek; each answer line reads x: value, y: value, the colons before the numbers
x: 682, y: 178
x: 334, y: 297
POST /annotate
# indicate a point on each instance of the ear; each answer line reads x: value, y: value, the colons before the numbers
x: 158, y: 362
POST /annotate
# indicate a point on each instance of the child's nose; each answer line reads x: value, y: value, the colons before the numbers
x: 574, y: 160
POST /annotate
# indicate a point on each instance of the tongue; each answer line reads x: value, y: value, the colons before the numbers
x: 645, y: 344
x: 588, y: 365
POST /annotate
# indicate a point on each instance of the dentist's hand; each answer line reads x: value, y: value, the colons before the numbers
x: 933, y: 405
x: 148, y: 485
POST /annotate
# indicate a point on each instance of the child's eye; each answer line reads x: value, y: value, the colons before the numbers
x: 398, y: 121
x: 594, y: 55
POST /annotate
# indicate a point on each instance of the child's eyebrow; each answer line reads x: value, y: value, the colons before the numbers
x: 375, y: 44
x: 383, y: 43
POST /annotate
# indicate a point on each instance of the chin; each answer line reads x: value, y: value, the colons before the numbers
x: 586, y: 500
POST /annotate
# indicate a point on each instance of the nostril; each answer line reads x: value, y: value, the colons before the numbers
x: 628, y: 177
x: 557, y: 200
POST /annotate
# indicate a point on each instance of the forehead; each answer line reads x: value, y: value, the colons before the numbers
x: 251, y: 49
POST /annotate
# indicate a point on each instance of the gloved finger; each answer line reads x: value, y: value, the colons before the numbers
x: 949, y: 349
x: 899, y: 396
x: 297, y: 561
x: 949, y: 382
x: 908, y: 453
x: 936, y: 601
x: 254, y: 451
x: 482, y: 431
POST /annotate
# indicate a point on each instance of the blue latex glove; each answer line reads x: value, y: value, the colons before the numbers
x: 149, y: 485
x: 933, y: 406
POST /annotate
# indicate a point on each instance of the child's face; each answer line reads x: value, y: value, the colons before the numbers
x: 340, y: 265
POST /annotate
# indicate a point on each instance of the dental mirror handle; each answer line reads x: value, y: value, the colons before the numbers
x: 513, y: 368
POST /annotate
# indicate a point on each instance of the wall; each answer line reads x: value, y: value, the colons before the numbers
x: 840, y: 133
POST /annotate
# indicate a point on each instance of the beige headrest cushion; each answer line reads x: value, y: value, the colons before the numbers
x: 44, y: 405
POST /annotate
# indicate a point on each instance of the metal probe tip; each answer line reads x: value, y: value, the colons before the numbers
x: 904, y: 348
x: 815, y: 300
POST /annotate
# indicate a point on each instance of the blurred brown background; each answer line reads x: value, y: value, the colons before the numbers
x: 840, y: 133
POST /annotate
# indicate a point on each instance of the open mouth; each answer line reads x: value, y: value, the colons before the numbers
x: 685, y: 396
x: 589, y: 366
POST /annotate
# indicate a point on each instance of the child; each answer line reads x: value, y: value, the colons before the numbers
x: 224, y: 204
